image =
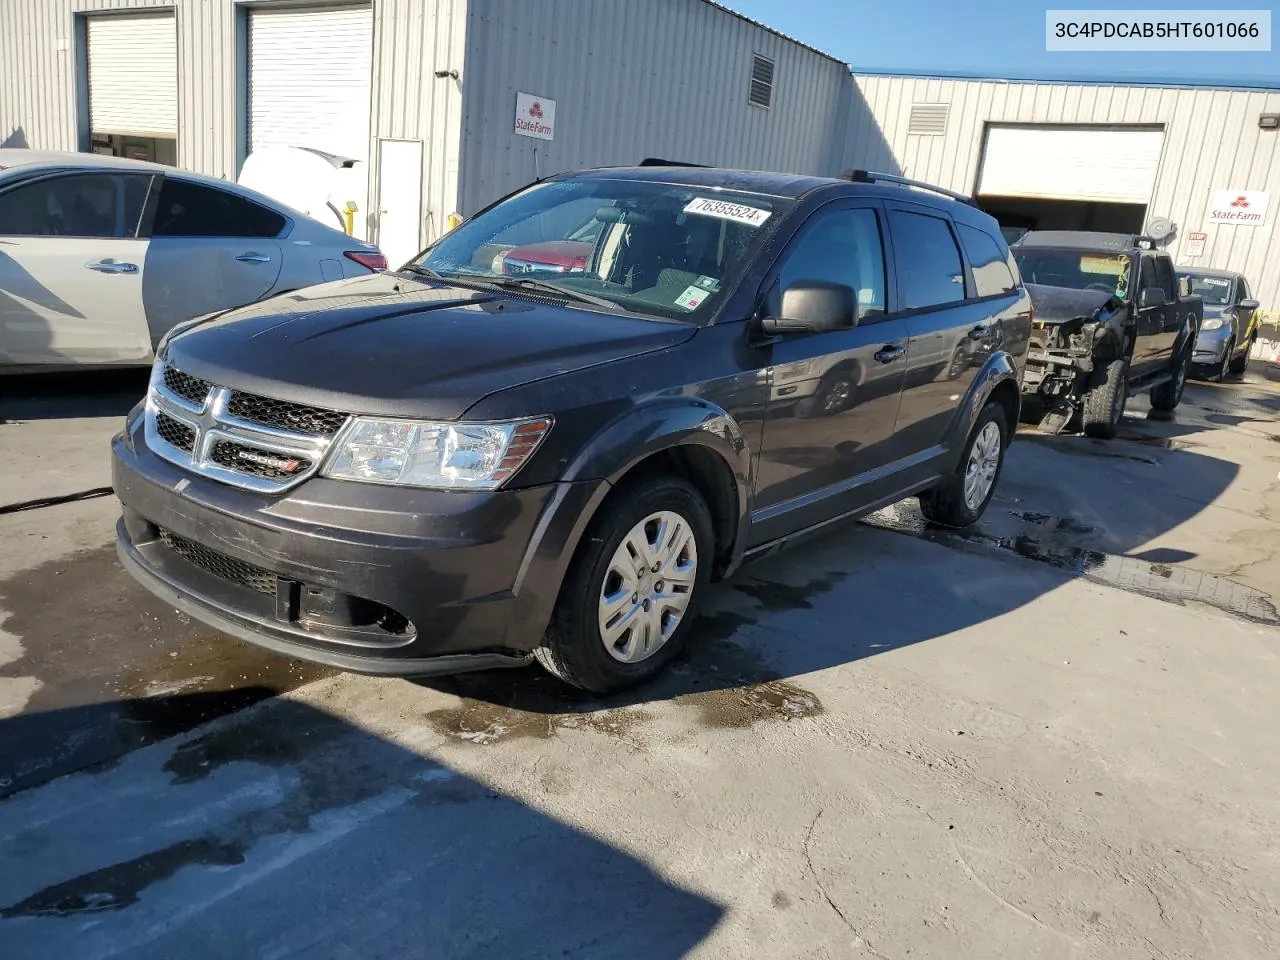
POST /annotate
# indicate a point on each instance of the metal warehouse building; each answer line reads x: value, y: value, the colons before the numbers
x: 449, y: 104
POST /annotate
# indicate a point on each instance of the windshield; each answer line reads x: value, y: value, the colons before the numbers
x: 1107, y: 273
x: 654, y: 248
x: 1215, y: 290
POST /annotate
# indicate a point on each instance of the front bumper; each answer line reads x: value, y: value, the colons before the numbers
x: 1211, y: 345
x: 362, y: 577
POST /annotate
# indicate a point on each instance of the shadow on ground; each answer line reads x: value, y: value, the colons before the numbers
x: 285, y: 831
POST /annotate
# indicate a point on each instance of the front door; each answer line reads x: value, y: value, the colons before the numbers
x: 399, y: 200
x: 834, y: 395
x: 1150, y: 346
x: 71, y: 270
x: 211, y: 250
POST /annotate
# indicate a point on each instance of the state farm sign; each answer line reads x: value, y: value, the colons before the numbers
x: 1247, y: 208
x: 535, y: 116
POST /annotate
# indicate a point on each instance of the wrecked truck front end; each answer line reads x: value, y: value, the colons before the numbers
x: 1074, y: 334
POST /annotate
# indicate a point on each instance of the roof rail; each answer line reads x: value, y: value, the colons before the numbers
x: 657, y: 162
x: 870, y: 176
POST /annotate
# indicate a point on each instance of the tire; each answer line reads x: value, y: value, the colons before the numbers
x: 1238, y: 367
x: 1167, y: 396
x: 1104, y: 403
x: 1224, y: 369
x: 574, y: 648
x: 947, y: 504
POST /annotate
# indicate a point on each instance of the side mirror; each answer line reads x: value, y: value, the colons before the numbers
x: 1152, y: 297
x: 812, y: 306
x: 1249, y: 305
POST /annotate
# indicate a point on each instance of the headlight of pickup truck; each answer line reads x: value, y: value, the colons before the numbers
x: 1212, y: 323
x: 449, y: 456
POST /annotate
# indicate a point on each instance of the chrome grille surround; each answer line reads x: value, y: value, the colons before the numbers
x: 211, y: 423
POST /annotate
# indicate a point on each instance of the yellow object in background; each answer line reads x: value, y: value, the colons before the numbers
x: 452, y: 221
x: 349, y: 214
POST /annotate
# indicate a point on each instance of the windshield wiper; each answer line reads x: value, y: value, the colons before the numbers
x: 422, y: 271
x: 524, y: 283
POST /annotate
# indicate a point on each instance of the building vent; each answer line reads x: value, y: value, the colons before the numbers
x: 761, y: 93
x: 928, y: 119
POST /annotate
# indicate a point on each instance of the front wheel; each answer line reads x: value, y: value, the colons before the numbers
x: 960, y: 500
x: 1104, y: 403
x: 1224, y: 368
x: 1239, y: 366
x: 632, y: 591
x: 1167, y: 396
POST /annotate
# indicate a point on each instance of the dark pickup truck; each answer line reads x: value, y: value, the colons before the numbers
x: 1108, y: 324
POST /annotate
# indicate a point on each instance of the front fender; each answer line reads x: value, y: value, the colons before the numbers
x: 999, y: 368
x: 602, y: 463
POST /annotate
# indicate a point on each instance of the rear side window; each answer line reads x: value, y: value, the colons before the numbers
x: 193, y: 210
x: 930, y: 271
x: 87, y: 206
x: 991, y: 273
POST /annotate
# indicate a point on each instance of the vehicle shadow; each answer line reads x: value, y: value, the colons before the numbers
x: 71, y: 395
x: 1065, y: 508
x: 285, y: 830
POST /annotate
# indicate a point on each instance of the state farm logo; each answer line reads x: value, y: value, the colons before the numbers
x: 1246, y: 208
x: 536, y: 110
x: 1237, y: 202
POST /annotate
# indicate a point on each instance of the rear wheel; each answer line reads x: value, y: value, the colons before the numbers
x: 1104, y: 403
x: 632, y: 591
x: 959, y: 501
x: 1168, y: 395
x: 1241, y: 364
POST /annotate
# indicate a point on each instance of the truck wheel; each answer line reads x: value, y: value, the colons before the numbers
x: 1238, y: 367
x: 1104, y: 403
x: 632, y: 591
x: 960, y: 499
x: 1168, y: 395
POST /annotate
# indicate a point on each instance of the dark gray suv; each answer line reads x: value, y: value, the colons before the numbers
x: 474, y: 463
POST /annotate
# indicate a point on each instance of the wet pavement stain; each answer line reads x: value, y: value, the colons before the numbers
x: 119, y: 669
x: 1063, y: 524
x: 120, y: 885
x: 774, y: 596
x: 199, y: 758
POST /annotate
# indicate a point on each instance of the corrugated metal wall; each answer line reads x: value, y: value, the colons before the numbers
x: 666, y: 78
x: 1212, y: 141
x: 412, y: 39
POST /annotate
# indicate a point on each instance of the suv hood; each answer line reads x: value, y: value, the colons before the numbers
x: 1061, y: 304
x: 392, y: 346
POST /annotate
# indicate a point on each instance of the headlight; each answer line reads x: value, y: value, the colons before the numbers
x: 450, y: 456
x: 1212, y: 323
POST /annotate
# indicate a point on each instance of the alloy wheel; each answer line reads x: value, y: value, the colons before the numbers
x: 984, y: 461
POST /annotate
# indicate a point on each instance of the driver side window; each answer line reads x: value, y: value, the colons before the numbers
x: 839, y: 246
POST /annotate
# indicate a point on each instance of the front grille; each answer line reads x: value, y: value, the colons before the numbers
x: 175, y: 432
x: 189, y: 388
x: 256, y: 462
x: 234, y: 571
x: 284, y: 415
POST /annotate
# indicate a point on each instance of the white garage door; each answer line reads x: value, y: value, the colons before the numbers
x: 309, y: 79
x: 133, y: 75
x: 1103, y: 164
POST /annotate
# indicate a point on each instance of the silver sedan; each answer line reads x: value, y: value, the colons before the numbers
x: 101, y: 256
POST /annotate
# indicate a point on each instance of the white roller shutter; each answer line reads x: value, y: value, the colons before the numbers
x: 309, y: 79
x: 133, y: 75
x: 1103, y: 164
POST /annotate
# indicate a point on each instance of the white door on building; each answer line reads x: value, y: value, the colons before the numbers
x: 310, y: 83
x: 133, y: 80
x: 399, y: 200
x: 1045, y: 162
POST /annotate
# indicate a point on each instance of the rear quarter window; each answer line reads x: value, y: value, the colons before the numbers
x: 992, y: 273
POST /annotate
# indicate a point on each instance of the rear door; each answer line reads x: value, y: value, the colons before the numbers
x: 211, y: 250
x: 829, y: 428
x: 72, y: 269
x: 949, y: 330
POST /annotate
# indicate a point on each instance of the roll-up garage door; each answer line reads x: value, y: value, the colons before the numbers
x: 133, y: 75
x: 1100, y: 164
x: 309, y: 79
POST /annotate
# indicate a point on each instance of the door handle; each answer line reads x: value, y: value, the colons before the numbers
x: 112, y: 266
x: 888, y: 353
x: 254, y: 258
